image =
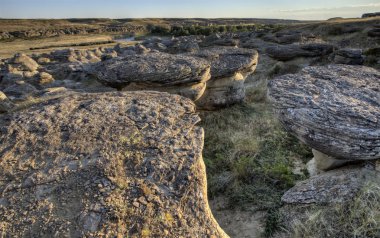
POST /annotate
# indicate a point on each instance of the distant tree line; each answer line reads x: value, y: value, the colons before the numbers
x: 198, y: 30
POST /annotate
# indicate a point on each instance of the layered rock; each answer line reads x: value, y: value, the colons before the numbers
x: 179, y: 74
x: 349, y: 56
x: 229, y: 68
x: 335, y: 110
x: 289, y: 52
x: 336, y: 186
x: 104, y: 165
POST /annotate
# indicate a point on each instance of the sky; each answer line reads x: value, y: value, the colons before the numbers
x: 279, y: 9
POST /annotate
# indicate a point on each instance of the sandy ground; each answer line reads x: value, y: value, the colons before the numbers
x: 235, y: 222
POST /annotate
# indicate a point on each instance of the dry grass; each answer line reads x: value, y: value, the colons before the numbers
x: 8, y: 49
x: 357, y: 218
x: 249, y: 158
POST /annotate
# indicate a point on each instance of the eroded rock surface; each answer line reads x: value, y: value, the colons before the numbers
x: 333, y: 109
x: 336, y: 186
x: 158, y: 71
x: 111, y: 164
x: 349, y: 56
x: 229, y: 68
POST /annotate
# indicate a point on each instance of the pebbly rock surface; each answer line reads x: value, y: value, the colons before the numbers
x: 184, y: 75
x: 333, y: 109
x: 229, y: 68
x: 104, y: 165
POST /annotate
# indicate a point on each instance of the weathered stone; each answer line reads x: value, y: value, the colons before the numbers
x: 20, y: 91
x: 322, y: 162
x: 336, y: 186
x: 111, y: 164
x: 24, y: 62
x: 161, y: 71
x: 45, y: 78
x: 333, y: 109
x: 5, y: 104
x: 229, y: 68
x: 349, y: 56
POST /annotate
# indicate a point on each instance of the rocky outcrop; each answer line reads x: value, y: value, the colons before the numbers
x: 335, y: 110
x: 175, y: 45
x: 375, y: 14
x: 179, y: 74
x: 289, y: 52
x: 315, y: 105
x: 229, y: 68
x: 104, y: 165
x: 349, y: 56
x: 336, y: 186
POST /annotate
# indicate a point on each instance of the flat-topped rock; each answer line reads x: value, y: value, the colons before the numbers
x: 105, y: 165
x: 158, y: 71
x: 230, y: 67
x: 333, y: 109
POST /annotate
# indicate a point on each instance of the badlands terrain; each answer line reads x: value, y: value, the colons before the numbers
x: 190, y: 128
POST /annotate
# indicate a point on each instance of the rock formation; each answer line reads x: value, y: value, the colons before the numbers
x: 104, y: 165
x: 315, y: 105
x: 349, y: 56
x: 335, y: 110
x: 229, y: 68
x: 335, y: 186
x: 178, y: 74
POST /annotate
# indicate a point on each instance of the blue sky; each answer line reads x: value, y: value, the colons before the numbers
x: 285, y: 9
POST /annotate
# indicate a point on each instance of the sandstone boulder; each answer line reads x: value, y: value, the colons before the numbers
x: 104, y: 165
x: 229, y: 68
x: 333, y: 109
x: 24, y: 63
x: 157, y: 71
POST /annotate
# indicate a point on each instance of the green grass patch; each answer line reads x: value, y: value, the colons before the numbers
x: 249, y: 157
